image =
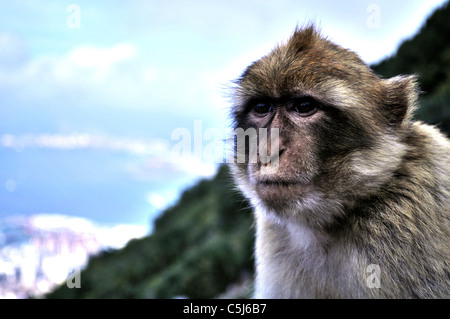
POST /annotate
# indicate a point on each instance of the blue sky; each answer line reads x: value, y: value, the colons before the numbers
x: 87, y: 112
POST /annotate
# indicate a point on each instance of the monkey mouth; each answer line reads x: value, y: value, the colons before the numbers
x: 279, y: 183
x: 279, y: 194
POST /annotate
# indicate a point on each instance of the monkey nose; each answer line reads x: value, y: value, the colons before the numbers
x: 271, y: 160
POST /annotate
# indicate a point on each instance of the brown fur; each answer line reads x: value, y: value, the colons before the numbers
x: 359, y: 182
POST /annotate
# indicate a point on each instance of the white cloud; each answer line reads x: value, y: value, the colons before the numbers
x: 123, y: 76
x: 83, y: 141
x: 107, y: 236
x: 87, y: 56
x: 118, y: 236
x: 158, y: 153
x: 157, y: 200
x: 50, y: 222
x: 112, y: 76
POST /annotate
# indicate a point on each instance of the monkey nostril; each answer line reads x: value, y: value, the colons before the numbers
x: 278, y: 154
x: 271, y: 159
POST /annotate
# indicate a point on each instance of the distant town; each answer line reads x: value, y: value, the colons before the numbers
x: 40, y: 252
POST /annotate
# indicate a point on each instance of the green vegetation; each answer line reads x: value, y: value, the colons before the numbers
x: 198, y: 247
x: 204, y: 243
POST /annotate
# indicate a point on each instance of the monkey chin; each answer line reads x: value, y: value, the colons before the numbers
x: 279, y: 187
x: 280, y: 195
x: 298, y: 203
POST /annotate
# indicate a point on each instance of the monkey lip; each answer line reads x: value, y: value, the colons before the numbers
x: 278, y: 193
x: 275, y: 183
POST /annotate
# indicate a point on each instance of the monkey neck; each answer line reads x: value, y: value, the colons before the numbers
x: 325, y: 218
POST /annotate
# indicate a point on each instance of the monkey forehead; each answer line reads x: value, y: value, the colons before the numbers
x: 306, y: 64
x: 278, y: 75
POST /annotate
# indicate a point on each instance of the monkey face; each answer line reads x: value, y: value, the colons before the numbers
x: 337, y: 128
x: 309, y: 140
x: 288, y: 175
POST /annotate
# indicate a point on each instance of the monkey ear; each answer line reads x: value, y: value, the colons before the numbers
x: 400, y: 99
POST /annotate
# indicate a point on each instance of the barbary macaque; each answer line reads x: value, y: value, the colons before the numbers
x: 358, y: 203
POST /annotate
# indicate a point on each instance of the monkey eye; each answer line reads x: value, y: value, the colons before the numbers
x: 262, y: 108
x: 305, y: 106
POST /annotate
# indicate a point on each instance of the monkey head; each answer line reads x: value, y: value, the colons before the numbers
x: 340, y: 129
